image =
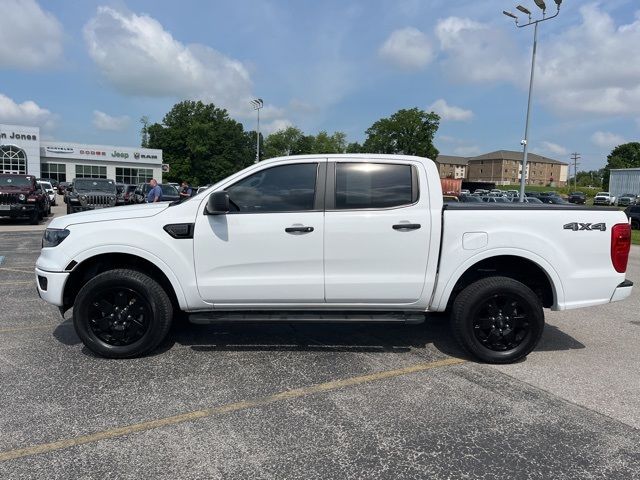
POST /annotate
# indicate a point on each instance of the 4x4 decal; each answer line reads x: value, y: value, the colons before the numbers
x: 575, y: 226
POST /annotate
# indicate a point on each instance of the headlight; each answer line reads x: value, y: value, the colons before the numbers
x: 22, y: 197
x: 54, y: 236
x: 83, y: 197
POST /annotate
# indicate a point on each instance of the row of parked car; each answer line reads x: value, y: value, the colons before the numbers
x: 508, y: 196
x: 90, y: 193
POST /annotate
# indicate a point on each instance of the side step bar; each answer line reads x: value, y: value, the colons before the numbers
x: 295, y: 316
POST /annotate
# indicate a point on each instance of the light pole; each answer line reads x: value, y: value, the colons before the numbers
x: 543, y: 7
x: 257, y: 104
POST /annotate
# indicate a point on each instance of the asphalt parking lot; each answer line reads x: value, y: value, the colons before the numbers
x: 314, y: 401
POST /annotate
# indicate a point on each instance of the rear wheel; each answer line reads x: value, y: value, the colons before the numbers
x: 498, y: 319
x: 122, y: 313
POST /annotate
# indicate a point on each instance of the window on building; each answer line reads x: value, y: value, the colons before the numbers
x: 373, y: 185
x: 91, y: 171
x: 13, y: 160
x: 133, y: 176
x: 55, y: 171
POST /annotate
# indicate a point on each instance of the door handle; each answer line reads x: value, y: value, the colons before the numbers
x: 406, y: 226
x: 298, y: 229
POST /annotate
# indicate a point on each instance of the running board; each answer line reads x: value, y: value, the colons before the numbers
x: 295, y: 316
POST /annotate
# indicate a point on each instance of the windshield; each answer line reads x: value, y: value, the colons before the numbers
x: 14, y: 181
x: 94, y: 185
x: 604, y: 194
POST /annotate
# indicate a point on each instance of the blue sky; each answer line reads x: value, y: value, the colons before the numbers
x: 86, y: 71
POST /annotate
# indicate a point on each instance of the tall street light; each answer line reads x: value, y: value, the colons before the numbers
x: 257, y: 104
x: 541, y: 4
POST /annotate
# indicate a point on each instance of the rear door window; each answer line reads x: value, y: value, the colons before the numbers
x: 374, y: 185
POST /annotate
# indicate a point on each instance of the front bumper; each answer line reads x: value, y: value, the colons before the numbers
x: 17, y: 210
x: 51, y: 286
x: 622, y: 291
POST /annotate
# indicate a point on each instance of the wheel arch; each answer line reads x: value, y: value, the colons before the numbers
x: 94, y: 263
x: 524, y: 267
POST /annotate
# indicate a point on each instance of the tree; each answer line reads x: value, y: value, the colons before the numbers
x: 282, y: 142
x: 623, y: 156
x: 201, y: 143
x: 291, y: 141
x: 354, y: 147
x: 144, y: 131
x: 408, y: 132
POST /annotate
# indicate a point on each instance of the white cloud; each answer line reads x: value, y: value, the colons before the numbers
x: 275, y: 126
x: 470, y: 151
x: 593, y: 67
x: 139, y: 57
x: 590, y: 68
x: 450, y: 112
x: 407, y: 48
x: 607, y: 139
x: 103, y: 121
x: 475, y: 52
x: 554, y: 148
x: 29, y: 37
x: 25, y: 113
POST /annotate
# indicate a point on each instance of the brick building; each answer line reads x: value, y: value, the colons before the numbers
x: 450, y: 166
x: 503, y: 167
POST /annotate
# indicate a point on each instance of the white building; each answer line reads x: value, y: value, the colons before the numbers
x: 23, y: 152
x: 624, y: 180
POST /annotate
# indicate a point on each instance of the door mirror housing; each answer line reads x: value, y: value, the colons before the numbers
x: 217, y: 204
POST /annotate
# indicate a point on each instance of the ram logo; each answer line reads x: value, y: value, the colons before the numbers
x: 575, y: 226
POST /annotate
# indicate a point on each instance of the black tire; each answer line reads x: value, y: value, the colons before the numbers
x: 481, y: 327
x: 152, y: 310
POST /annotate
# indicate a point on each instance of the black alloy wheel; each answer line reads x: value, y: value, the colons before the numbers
x: 502, y: 322
x: 119, y: 316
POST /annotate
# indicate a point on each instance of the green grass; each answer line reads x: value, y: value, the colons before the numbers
x: 635, y: 237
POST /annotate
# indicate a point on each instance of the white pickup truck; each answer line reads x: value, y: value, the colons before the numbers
x: 331, y: 238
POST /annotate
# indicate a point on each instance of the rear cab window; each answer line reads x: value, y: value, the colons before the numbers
x: 361, y: 185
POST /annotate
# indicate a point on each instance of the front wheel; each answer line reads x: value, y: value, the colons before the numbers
x: 498, y: 319
x: 122, y: 313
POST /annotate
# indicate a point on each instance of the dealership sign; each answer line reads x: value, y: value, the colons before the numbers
x: 60, y: 150
x: 18, y: 136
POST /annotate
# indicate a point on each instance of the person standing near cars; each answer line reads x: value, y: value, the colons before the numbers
x: 185, y: 191
x: 155, y: 192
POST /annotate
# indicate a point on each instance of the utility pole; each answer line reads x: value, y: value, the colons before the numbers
x: 257, y: 104
x: 575, y: 157
x: 541, y: 4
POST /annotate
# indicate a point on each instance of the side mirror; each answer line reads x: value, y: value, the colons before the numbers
x: 218, y: 204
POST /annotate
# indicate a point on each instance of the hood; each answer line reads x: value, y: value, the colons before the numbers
x: 107, y: 214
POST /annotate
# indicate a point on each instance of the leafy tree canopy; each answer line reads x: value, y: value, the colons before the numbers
x: 201, y: 143
x: 408, y: 132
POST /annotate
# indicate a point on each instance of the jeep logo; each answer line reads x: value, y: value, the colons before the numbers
x: 575, y: 226
x: 120, y: 155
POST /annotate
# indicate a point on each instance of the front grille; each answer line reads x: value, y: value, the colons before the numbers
x: 101, y: 200
x: 8, y: 198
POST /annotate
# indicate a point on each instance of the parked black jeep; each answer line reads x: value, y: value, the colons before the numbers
x: 633, y: 213
x: 90, y: 194
x: 21, y: 196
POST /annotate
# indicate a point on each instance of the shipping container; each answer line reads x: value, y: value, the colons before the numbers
x: 624, y: 180
x: 451, y: 186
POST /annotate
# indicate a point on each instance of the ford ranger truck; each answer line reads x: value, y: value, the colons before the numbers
x: 331, y: 238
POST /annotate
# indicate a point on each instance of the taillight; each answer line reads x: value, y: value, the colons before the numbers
x: 620, y: 246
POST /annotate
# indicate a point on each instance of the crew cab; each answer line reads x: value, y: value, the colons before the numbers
x: 21, y: 196
x: 331, y: 238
